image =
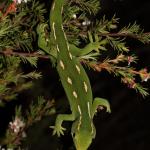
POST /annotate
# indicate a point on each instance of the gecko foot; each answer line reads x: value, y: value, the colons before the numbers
x: 57, y: 129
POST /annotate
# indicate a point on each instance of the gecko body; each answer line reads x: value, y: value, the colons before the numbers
x: 75, y: 83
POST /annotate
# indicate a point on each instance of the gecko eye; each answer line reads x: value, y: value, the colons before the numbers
x: 73, y: 135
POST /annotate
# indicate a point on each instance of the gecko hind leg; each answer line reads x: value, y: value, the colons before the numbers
x: 100, y: 102
x: 93, y: 45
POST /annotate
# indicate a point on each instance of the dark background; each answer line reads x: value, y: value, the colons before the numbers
x: 128, y: 126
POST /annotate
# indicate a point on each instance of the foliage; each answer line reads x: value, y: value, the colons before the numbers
x: 18, y: 47
x: 16, y: 131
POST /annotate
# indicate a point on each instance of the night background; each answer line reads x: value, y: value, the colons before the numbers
x: 128, y: 126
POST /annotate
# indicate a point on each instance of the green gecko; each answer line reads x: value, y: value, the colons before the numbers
x: 74, y: 80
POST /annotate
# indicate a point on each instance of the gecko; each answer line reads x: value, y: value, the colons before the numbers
x: 74, y: 80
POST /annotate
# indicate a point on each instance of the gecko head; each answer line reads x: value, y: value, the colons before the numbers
x: 82, y: 139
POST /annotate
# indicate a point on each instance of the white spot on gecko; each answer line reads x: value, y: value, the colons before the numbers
x: 69, y: 80
x: 85, y: 87
x: 57, y: 48
x: 62, y: 64
x: 53, y: 6
x: 70, y: 55
x: 92, y: 127
x: 89, y: 112
x: 54, y: 30
x: 78, y: 68
x: 61, y: 9
x: 75, y: 94
x: 79, y: 109
x: 68, y: 46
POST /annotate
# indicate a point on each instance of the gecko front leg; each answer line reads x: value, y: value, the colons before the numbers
x: 58, y: 129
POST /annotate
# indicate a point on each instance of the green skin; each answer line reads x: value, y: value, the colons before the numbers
x: 73, y: 78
